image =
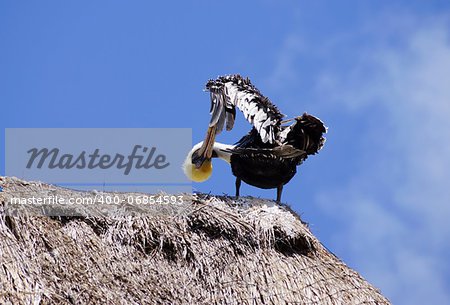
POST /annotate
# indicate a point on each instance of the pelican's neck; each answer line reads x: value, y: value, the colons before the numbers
x: 221, y: 150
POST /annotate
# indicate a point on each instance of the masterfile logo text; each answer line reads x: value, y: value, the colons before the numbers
x: 53, y: 158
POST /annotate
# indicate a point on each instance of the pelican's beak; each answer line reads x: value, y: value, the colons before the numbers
x: 205, y: 152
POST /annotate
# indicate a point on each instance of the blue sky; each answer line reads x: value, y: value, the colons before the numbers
x: 376, y: 72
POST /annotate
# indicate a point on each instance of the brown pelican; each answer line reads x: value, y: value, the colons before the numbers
x: 268, y: 156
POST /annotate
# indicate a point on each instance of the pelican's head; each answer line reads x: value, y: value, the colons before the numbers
x: 200, y: 171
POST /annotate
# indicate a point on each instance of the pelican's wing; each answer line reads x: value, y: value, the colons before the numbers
x: 306, y: 133
x: 229, y: 92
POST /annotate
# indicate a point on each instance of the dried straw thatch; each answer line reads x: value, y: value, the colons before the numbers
x: 209, y: 250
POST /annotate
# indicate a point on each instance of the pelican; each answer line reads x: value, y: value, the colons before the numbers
x: 268, y: 156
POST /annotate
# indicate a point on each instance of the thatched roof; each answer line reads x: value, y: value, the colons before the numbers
x: 209, y: 250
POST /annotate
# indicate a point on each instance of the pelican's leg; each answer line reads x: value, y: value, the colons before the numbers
x: 238, y: 186
x: 279, y: 191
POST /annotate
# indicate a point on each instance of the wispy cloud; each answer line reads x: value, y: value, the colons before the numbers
x: 396, y: 208
x: 394, y: 72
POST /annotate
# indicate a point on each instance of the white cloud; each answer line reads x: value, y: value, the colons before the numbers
x: 394, y: 212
